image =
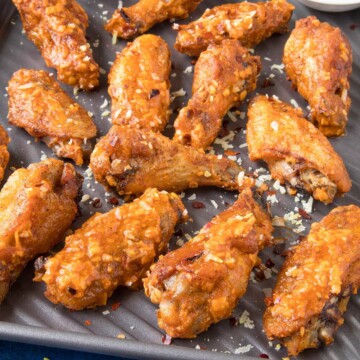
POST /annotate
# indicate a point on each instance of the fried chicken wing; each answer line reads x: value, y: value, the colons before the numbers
x: 39, y: 105
x: 57, y: 28
x: 250, y: 23
x: 139, y: 84
x: 133, y: 21
x: 111, y: 249
x: 132, y: 160
x: 294, y: 149
x: 223, y: 76
x: 315, y: 283
x: 318, y: 61
x: 4, y: 153
x: 201, y: 283
x: 37, y: 206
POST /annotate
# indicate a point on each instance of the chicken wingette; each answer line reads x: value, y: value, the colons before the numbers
x: 200, y: 284
x: 4, y: 153
x: 315, y: 283
x: 37, y: 206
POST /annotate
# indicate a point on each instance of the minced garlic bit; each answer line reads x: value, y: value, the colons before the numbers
x: 85, y: 198
x: 278, y: 67
x: 294, y: 103
x: 179, y: 93
x: 246, y: 321
x: 243, y: 349
x: 104, y: 104
x: 188, y: 70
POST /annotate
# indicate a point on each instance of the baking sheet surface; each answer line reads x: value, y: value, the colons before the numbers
x: 26, y: 315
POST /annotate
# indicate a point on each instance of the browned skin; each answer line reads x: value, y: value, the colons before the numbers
x: 132, y: 160
x: 318, y: 60
x: 57, y: 28
x: 250, y: 23
x: 37, y: 206
x: 111, y: 249
x: 201, y: 283
x: 40, y: 106
x: 4, y: 153
x: 295, y: 150
x: 315, y: 283
x: 133, y: 21
x: 223, y: 76
x: 139, y: 84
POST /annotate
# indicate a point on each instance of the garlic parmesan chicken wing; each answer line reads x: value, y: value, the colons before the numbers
x: 294, y: 149
x: 318, y: 61
x: 57, y: 28
x: 250, y: 23
x: 4, y: 153
x: 111, y: 249
x: 127, y: 23
x: 139, y: 84
x: 39, y: 105
x: 223, y: 76
x: 37, y: 206
x: 315, y: 283
x: 200, y: 284
x: 132, y: 160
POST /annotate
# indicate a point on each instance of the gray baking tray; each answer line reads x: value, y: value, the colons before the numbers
x: 27, y: 316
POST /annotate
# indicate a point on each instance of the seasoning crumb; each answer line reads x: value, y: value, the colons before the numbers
x: 121, y: 336
x: 115, y: 306
x: 87, y: 322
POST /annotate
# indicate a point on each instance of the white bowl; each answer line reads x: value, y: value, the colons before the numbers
x: 332, y: 5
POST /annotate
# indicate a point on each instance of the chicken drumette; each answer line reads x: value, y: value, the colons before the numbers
x: 4, y: 153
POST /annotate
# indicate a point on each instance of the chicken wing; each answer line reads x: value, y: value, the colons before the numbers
x: 139, y: 84
x: 37, y: 206
x: 250, y: 23
x: 57, y: 28
x: 315, y: 283
x: 39, y: 105
x: 132, y: 160
x: 295, y: 150
x: 111, y: 249
x: 223, y: 76
x: 201, y: 283
x: 130, y: 22
x: 4, y: 153
x: 318, y: 60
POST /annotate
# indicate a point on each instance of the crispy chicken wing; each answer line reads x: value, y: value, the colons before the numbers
x: 250, y: 23
x: 130, y: 22
x: 132, y: 160
x: 39, y: 105
x: 37, y: 206
x: 139, y: 84
x: 57, y: 28
x: 111, y: 249
x: 315, y: 283
x: 4, y: 153
x: 318, y: 60
x: 201, y: 283
x: 223, y: 76
x: 295, y: 150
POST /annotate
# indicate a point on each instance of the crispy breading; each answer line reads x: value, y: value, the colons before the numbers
x: 315, y: 283
x: 133, y: 21
x: 295, y: 150
x: 4, y: 153
x: 139, y: 84
x: 57, y: 28
x: 37, y: 206
x: 318, y: 60
x: 200, y: 284
x: 110, y: 250
x: 39, y: 105
x: 132, y: 160
x: 250, y: 23
x: 223, y: 76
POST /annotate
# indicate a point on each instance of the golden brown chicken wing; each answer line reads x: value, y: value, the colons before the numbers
x: 318, y: 60
x: 295, y: 150
x: 132, y: 160
x: 57, y: 28
x: 223, y: 76
x: 4, y: 153
x: 39, y: 105
x: 130, y: 22
x: 201, y: 283
x: 139, y: 84
x: 315, y: 283
x: 37, y: 206
x: 250, y: 23
x: 111, y: 249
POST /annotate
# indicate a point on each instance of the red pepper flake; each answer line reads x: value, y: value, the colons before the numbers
x: 231, y: 153
x: 304, y: 214
x: 269, y: 263
x: 179, y: 232
x: 266, y: 83
x: 271, y: 192
x: 87, y: 322
x: 114, y: 200
x: 97, y: 204
x: 166, y: 339
x: 115, y: 306
x: 354, y: 26
x: 202, y: 347
x: 264, y: 356
x: 197, y: 205
x: 223, y: 132
x: 259, y: 274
